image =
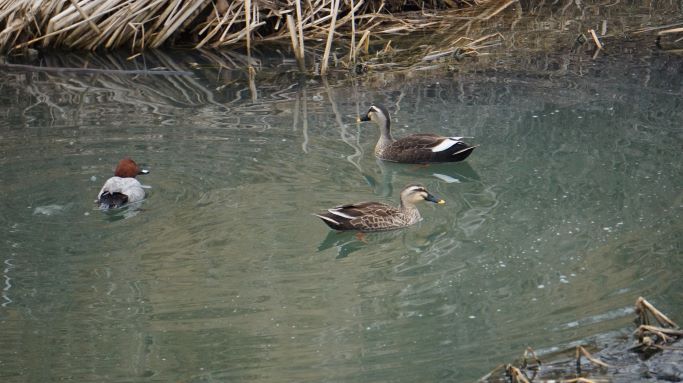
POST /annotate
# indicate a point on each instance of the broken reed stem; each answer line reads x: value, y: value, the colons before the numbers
x: 365, y: 39
x: 530, y: 353
x: 595, y: 39
x: 499, y: 9
x: 643, y: 306
x: 85, y: 17
x: 663, y: 332
x: 515, y: 374
x: 582, y: 351
x: 334, y: 5
x: 486, y: 377
x: 668, y: 31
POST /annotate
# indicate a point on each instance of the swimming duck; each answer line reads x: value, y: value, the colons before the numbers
x: 376, y: 216
x: 123, y: 187
x: 417, y: 148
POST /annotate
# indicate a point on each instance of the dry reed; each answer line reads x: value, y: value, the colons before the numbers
x: 95, y: 24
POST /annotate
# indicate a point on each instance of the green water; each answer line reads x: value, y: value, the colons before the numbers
x: 567, y: 212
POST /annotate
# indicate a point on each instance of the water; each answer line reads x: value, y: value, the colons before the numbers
x: 567, y: 212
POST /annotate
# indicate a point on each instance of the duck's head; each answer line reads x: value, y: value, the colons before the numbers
x: 377, y: 114
x: 417, y: 193
x: 128, y: 168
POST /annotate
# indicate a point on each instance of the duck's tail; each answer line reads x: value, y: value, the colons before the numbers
x: 329, y: 221
x: 112, y: 200
x: 462, y: 153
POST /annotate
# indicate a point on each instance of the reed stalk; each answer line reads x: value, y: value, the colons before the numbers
x: 334, y: 8
x: 295, y: 43
x: 352, y: 51
x: 301, y: 56
x: 85, y: 17
x: 247, y: 17
x: 89, y: 24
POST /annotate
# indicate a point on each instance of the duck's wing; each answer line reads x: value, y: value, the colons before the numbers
x: 427, y: 147
x: 363, y: 216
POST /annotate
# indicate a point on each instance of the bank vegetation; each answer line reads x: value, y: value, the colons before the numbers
x: 339, y: 30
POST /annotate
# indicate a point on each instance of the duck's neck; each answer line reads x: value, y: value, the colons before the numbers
x: 385, y: 138
x: 410, y: 211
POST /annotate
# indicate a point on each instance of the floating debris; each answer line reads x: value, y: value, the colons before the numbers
x: 596, y: 40
x: 655, y: 333
x: 580, y: 40
x: 651, y: 339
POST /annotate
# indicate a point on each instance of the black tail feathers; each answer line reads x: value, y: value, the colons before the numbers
x: 112, y: 201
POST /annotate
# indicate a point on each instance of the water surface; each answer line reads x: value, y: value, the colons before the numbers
x: 567, y: 212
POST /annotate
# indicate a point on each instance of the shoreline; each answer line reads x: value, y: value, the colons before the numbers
x: 321, y: 38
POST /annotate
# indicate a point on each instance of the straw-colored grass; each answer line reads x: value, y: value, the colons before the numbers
x: 323, y: 34
x: 141, y: 24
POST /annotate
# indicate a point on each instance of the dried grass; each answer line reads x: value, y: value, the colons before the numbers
x: 323, y: 34
x: 141, y: 24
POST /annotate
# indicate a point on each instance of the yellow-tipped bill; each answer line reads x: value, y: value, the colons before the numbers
x: 431, y: 198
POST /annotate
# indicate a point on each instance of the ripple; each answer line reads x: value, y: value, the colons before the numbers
x: 222, y: 273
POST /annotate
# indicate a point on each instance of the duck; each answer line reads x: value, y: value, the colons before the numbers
x: 123, y: 188
x: 419, y: 148
x: 377, y: 216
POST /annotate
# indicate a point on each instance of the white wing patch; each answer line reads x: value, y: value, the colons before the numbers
x: 326, y: 219
x: 340, y: 214
x: 446, y: 144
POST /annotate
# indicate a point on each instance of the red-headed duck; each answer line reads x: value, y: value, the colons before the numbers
x: 123, y: 188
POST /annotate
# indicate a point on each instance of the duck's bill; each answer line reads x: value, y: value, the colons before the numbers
x: 144, y: 171
x: 363, y: 117
x: 431, y: 198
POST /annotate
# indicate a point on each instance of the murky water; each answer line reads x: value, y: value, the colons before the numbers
x: 568, y: 211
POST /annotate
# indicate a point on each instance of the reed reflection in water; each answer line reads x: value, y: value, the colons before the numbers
x: 568, y: 211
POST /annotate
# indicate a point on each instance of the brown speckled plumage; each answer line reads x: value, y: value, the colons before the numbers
x: 416, y: 148
x: 377, y: 216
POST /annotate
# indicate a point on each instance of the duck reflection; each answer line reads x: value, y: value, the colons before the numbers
x: 470, y: 201
x: 348, y: 242
x: 128, y: 211
x: 382, y: 184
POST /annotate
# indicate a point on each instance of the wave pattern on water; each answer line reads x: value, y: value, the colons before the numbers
x: 568, y: 210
